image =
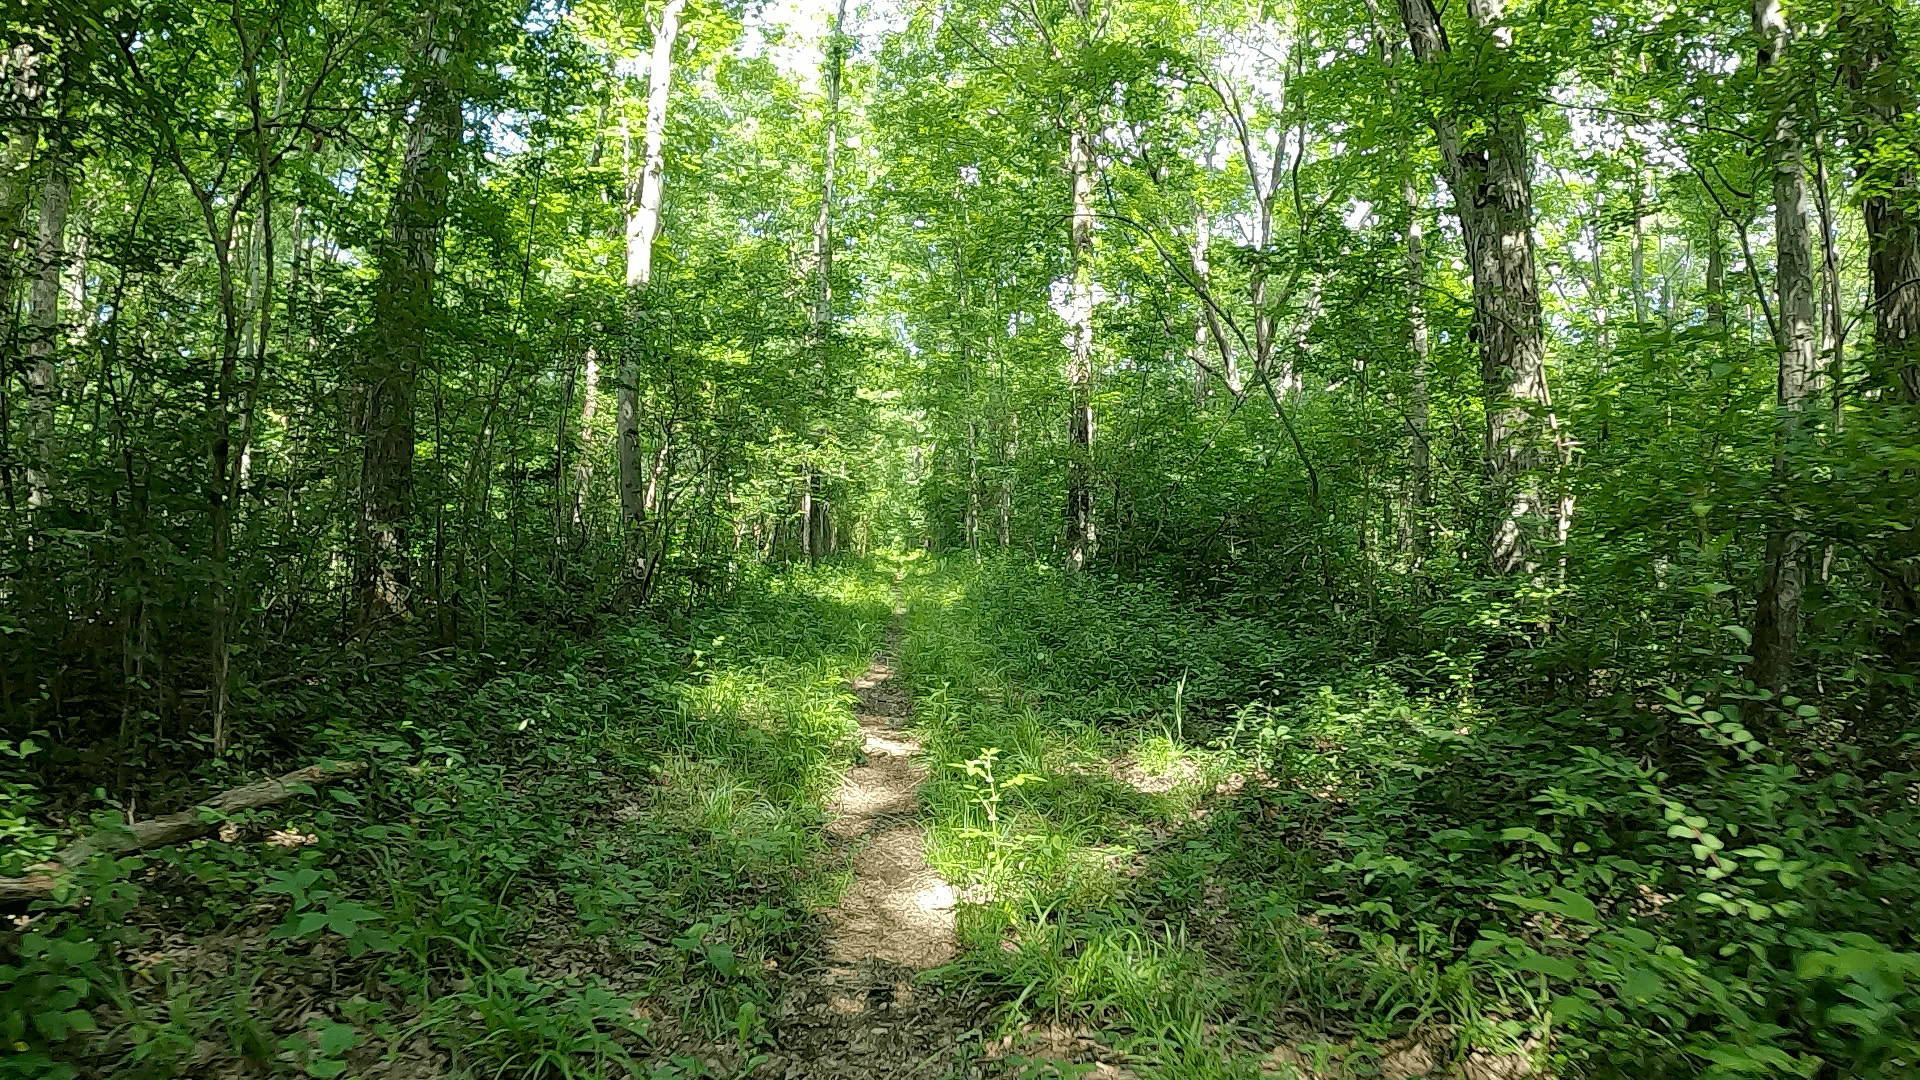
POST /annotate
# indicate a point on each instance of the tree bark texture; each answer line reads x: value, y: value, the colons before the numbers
x: 20, y: 93
x: 404, y: 307
x: 1009, y: 458
x: 1777, y: 607
x: 816, y: 523
x: 1419, y: 452
x: 1884, y: 100
x: 173, y: 828
x: 1082, y: 532
x: 1716, y: 278
x: 43, y: 329
x: 1484, y: 159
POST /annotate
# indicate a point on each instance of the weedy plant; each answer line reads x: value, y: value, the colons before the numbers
x: 1252, y: 832
x: 652, y: 802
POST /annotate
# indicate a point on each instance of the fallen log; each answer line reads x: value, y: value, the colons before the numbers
x: 173, y: 828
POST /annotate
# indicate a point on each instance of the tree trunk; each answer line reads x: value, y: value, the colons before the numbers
x: 1082, y: 534
x: 1637, y: 257
x: 203, y: 818
x: 43, y: 330
x: 823, y: 220
x: 1884, y: 103
x: 403, y: 316
x: 1484, y: 158
x: 1419, y: 451
x: 973, y: 489
x: 20, y: 92
x: 1716, y: 277
x: 814, y: 523
x: 1602, y: 336
x: 589, y: 406
x: 1777, y: 608
x: 1207, y: 328
x: 1832, y: 339
x: 644, y: 192
x: 1009, y: 454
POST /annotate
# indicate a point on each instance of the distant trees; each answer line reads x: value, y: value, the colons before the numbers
x: 311, y: 312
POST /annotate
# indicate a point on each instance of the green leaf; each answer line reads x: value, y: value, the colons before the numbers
x: 1575, y: 906
x: 1534, y: 836
x: 1570, y: 1006
x: 1641, y: 984
x: 336, y: 1039
x: 1555, y: 966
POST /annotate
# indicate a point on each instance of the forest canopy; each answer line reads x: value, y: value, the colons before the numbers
x: 1473, y: 449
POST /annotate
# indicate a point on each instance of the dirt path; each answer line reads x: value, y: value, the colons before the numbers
x: 859, y: 1013
x: 898, y: 910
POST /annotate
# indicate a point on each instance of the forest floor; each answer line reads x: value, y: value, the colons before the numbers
x: 861, y: 1010
x: 874, y: 821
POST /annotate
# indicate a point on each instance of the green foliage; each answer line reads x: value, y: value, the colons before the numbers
x: 656, y: 794
x: 1406, y: 846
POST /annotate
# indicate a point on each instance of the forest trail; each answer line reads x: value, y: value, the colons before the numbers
x: 860, y: 1012
x: 898, y: 910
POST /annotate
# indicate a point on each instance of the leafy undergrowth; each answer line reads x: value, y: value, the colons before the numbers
x: 577, y: 871
x: 1232, y: 846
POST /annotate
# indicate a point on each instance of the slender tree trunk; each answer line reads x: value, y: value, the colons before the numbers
x: 1197, y: 259
x: 806, y: 513
x: 74, y: 290
x: 1777, y: 609
x: 815, y: 523
x: 1009, y: 454
x: 655, y: 495
x: 43, y: 330
x: 1832, y: 322
x: 404, y: 307
x: 644, y: 192
x: 973, y: 489
x: 823, y: 219
x: 1207, y: 328
x: 1602, y: 332
x: 1716, y: 277
x: 1082, y: 533
x: 589, y: 406
x: 20, y: 93
x: 1884, y: 102
x: 1485, y: 161
x: 1419, y: 451
x: 562, y: 447
x: 1638, y: 256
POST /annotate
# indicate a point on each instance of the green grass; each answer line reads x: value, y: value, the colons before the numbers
x: 1231, y: 842
x: 1211, y: 833
x: 562, y: 872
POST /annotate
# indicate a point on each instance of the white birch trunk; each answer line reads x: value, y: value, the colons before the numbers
x: 644, y: 193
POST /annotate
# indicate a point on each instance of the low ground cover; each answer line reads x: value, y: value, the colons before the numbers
x: 592, y: 867
x: 1230, y: 840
